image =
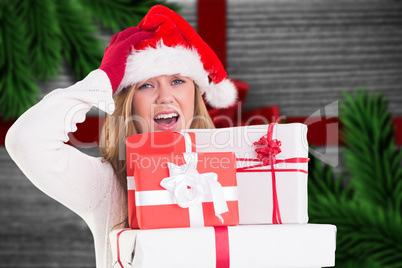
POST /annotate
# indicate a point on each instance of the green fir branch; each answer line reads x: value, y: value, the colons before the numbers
x: 121, y: 14
x: 36, y: 35
x: 364, y: 232
x: 322, y: 180
x: 42, y: 35
x: 82, y: 50
x: 17, y: 91
x: 370, y: 154
x: 350, y: 261
x: 367, y: 235
x: 367, y: 212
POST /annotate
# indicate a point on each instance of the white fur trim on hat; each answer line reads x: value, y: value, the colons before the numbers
x: 221, y: 95
x: 163, y: 60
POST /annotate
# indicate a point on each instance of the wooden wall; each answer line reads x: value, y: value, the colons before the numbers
x: 299, y: 55
x: 35, y: 230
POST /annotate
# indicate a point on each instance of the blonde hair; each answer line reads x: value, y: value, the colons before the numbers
x: 119, y: 126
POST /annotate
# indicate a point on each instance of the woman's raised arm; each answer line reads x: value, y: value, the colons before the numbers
x: 36, y: 142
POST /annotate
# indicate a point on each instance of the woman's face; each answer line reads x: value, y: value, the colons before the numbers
x: 164, y: 102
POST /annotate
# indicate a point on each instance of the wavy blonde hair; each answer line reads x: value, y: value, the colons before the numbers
x: 120, y: 125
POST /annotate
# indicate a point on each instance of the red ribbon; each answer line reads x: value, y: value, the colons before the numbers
x: 222, y: 247
x: 118, y: 247
x: 267, y: 149
x: 294, y: 160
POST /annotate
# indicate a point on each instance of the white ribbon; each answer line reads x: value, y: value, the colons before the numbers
x: 187, y: 140
x: 188, y: 187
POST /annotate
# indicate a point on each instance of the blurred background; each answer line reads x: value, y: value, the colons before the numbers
x: 292, y: 60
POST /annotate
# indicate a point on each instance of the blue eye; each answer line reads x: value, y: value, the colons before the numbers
x: 177, y: 81
x: 145, y: 86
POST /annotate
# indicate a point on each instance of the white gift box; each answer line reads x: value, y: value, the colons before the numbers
x: 256, y: 188
x: 287, y: 245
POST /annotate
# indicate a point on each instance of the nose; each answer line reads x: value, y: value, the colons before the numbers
x: 165, y: 95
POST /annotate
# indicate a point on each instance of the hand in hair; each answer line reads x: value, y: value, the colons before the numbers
x: 115, y: 56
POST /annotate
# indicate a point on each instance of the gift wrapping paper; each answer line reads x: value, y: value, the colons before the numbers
x: 202, y: 184
x: 255, y: 185
x: 163, y: 142
x: 254, y: 246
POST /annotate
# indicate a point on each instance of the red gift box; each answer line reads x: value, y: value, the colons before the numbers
x: 186, y: 190
x: 163, y: 142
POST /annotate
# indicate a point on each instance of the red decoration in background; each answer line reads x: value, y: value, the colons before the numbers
x: 398, y: 130
x: 212, y: 29
x: 212, y: 25
x: 260, y: 116
x: 321, y: 131
x: 4, y: 126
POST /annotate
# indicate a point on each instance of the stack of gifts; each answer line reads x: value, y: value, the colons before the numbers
x: 229, y: 197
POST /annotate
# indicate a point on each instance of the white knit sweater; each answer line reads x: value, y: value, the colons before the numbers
x: 83, y: 183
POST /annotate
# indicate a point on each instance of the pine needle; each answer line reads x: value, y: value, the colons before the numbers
x: 17, y: 91
x: 36, y: 35
x: 42, y: 35
x: 120, y: 14
x: 82, y: 50
x: 370, y: 155
x: 322, y: 180
x: 364, y: 232
x: 367, y: 212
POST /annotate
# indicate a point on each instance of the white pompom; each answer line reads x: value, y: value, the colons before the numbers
x: 221, y: 95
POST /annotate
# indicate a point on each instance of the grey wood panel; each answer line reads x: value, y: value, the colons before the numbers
x: 301, y: 55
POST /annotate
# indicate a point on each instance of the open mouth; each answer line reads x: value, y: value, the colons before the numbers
x: 166, y: 120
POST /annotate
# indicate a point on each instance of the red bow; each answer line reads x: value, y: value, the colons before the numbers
x: 267, y: 149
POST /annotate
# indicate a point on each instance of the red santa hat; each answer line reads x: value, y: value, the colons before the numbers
x: 176, y: 48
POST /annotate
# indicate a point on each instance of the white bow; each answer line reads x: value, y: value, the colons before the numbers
x: 189, y: 187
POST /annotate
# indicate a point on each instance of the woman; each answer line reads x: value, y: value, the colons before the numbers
x: 157, y: 72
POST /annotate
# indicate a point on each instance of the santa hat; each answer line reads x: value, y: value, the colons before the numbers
x: 176, y: 48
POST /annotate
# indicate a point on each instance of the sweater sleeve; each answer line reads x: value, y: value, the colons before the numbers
x: 36, y: 143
